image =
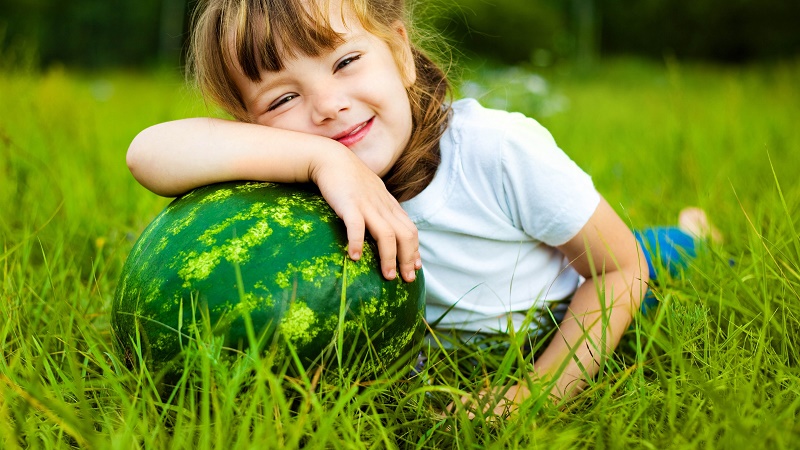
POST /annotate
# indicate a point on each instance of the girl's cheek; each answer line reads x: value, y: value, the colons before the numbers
x: 276, y: 122
x: 284, y: 121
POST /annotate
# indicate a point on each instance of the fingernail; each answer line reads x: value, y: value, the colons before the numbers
x: 418, y: 264
x: 355, y: 256
x: 411, y: 276
x: 392, y: 273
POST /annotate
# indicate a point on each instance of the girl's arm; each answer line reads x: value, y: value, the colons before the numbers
x: 174, y: 157
x: 606, y: 254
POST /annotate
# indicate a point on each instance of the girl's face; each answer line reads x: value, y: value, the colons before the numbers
x: 355, y: 94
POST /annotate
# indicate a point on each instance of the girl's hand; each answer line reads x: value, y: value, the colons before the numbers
x: 360, y: 199
x: 502, y: 404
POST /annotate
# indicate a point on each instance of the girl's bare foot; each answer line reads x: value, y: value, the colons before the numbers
x: 694, y: 221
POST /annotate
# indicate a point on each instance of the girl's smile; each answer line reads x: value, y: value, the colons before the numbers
x: 355, y: 93
x: 355, y: 134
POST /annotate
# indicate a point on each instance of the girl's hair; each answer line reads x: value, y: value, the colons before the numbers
x: 256, y: 35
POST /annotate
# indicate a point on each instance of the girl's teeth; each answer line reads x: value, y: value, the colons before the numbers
x: 356, y: 130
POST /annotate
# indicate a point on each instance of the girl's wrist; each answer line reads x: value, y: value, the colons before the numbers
x: 330, y: 155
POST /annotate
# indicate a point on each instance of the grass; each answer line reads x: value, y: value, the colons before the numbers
x: 715, y: 366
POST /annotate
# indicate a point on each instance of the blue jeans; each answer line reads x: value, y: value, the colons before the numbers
x: 664, y: 248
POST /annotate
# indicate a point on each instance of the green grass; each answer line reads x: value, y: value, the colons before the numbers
x: 715, y: 366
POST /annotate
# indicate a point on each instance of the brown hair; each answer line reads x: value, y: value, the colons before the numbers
x: 246, y: 33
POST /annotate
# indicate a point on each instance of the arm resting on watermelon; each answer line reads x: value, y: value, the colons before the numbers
x: 174, y: 157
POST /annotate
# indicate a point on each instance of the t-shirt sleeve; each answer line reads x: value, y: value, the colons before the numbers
x: 547, y: 195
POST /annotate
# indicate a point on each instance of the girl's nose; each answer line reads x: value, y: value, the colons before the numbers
x: 327, y: 105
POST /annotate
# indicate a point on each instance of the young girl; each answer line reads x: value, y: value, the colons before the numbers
x: 333, y: 92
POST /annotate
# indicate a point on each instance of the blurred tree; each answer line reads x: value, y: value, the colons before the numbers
x: 721, y: 30
x: 172, y: 33
x: 87, y: 33
x: 585, y: 19
x: 96, y: 33
x: 510, y: 31
x: 724, y: 30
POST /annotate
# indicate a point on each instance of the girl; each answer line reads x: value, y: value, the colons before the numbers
x: 333, y: 92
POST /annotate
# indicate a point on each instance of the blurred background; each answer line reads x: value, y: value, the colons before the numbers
x: 96, y: 34
x: 666, y: 103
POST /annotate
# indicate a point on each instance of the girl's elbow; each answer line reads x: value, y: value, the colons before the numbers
x: 139, y: 164
x: 136, y: 160
x: 133, y: 160
x: 137, y: 152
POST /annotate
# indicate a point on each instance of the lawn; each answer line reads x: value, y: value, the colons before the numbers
x: 716, y: 365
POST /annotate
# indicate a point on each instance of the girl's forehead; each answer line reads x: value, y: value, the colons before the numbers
x: 336, y: 15
x: 265, y: 39
x: 261, y: 36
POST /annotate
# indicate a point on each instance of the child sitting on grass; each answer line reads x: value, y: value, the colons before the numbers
x: 334, y: 93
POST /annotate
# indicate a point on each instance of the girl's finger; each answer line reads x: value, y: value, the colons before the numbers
x: 407, y: 236
x: 408, y: 252
x: 355, y: 236
x: 386, y: 238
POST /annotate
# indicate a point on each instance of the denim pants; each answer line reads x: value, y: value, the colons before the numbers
x: 664, y: 247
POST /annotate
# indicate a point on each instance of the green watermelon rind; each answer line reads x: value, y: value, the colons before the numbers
x: 179, y: 282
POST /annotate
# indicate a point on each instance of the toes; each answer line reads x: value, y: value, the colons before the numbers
x: 694, y: 221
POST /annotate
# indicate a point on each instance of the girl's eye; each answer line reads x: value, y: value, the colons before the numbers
x: 281, y: 101
x: 347, y: 61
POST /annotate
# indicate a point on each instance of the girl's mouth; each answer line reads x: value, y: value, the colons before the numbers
x: 353, y: 135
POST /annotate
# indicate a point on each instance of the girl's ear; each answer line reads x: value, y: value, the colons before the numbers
x: 403, y: 54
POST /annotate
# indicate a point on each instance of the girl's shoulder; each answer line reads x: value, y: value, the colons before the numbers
x: 472, y: 118
x: 479, y: 127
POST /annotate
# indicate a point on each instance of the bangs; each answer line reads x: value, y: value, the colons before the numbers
x: 261, y: 34
x: 253, y: 36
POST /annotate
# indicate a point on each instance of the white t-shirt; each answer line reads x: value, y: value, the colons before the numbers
x: 503, y: 196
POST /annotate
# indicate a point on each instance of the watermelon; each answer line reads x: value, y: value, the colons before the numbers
x: 274, y: 253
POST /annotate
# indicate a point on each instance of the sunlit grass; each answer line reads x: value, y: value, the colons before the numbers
x: 715, y: 366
